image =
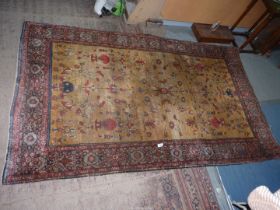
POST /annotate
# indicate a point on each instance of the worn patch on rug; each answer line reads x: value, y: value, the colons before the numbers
x: 94, y: 102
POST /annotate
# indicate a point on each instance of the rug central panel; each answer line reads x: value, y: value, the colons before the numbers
x: 102, y: 94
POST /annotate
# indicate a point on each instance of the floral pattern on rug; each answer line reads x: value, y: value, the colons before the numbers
x: 122, y: 95
x: 38, y: 149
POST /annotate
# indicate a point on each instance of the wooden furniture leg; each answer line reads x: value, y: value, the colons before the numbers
x: 258, y: 21
x: 248, y: 8
x: 255, y: 32
x: 247, y: 33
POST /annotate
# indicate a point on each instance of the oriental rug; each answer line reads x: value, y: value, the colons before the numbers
x: 94, y: 102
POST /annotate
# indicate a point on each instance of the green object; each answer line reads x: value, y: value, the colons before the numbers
x: 119, y: 8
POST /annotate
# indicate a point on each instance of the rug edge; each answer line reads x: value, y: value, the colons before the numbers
x: 5, y: 173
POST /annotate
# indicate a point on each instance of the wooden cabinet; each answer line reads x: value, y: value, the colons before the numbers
x: 211, y: 11
x: 269, y: 37
x: 264, y: 33
x: 199, y: 11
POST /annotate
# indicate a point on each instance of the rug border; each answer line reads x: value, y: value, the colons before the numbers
x: 13, y: 106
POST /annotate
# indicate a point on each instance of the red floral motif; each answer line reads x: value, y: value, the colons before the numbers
x: 150, y: 123
x: 164, y: 91
x: 109, y: 124
x: 105, y: 58
x: 177, y: 65
x: 199, y: 67
x: 216, y: 122
x: 141, y: 62
x: 190, y: 122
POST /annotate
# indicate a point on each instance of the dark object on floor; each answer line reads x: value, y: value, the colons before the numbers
x: 155, y: 21
x: 203, y: 33
x: 241, y: 205
x: 105, y: 12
